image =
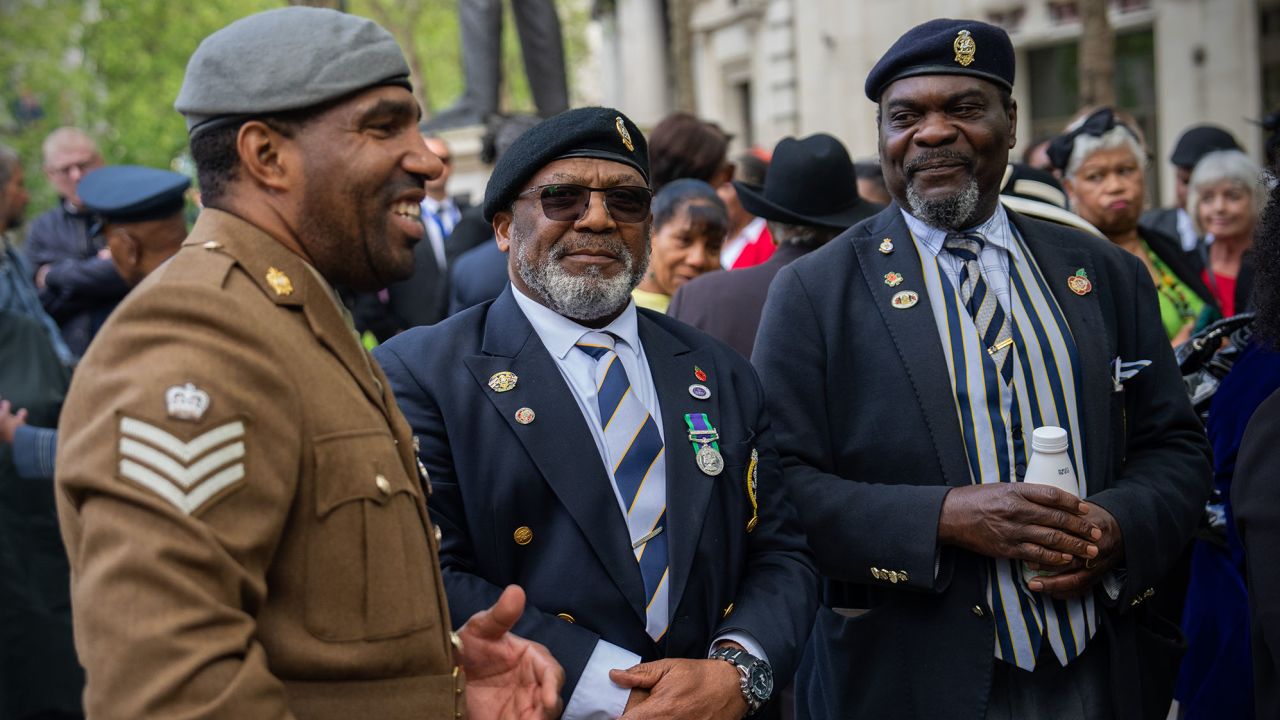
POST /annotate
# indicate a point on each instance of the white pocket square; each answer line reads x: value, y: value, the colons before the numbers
x: 1122, y: 371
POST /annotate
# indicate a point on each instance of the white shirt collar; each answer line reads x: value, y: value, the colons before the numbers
x: 436, y: 206
x: 995, y: 229
x: 559, y: 334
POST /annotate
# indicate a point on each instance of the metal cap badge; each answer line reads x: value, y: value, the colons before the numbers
x: 964, y: 47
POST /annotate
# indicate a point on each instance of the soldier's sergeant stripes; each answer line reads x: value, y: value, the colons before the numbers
x: 185, y: 473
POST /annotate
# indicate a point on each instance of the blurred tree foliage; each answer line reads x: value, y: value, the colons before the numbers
x: 114, y: 67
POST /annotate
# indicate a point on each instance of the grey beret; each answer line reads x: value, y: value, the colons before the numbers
x: 286, y: 59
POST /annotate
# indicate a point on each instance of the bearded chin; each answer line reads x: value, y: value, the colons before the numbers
x: 588, y: 296
x: 948, y: 213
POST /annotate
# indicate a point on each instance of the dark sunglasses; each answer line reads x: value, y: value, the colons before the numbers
x: 568, y: 203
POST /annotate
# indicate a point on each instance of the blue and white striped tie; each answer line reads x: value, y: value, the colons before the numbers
x: 638, y: 470
x: 988, y: 317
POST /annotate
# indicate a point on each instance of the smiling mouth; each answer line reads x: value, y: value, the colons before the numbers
x: 407, y: 209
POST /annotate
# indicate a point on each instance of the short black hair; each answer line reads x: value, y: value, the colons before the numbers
x: 706, y: 209
x: 214, y: 149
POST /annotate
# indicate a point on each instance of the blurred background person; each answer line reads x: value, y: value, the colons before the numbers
x: 871, y: 185
x: 807, y: 199
x: 1225, y: 198
x: 1101, y: 160
x: 690, y: 223
x: 1255, y: 492
x: 684, y: 146
x: 749, y: 241
x: 1193, y: 144
x: 480, y: 274
x: 142, y: 215
x: 18, y: 292
x: 73, y: 271
x: 39, y: 674
x: 1037, y: 154
x: 1039, y: 194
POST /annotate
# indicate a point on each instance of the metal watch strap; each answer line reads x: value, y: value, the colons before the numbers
x: 735, y: 657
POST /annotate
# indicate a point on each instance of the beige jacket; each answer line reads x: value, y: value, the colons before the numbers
x: 242, y: 506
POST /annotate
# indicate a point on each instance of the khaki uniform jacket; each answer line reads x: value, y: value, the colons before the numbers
x: 242, y: 507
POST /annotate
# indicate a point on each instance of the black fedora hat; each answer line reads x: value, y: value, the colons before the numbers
x: 810, y: 182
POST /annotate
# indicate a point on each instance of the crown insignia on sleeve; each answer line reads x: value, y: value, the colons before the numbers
x: 186, y: 402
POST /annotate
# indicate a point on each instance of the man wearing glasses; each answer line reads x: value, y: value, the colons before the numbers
x: 78, y: 284
x: 616, y: 463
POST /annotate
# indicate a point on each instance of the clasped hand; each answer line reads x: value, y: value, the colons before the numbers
x: 1040, y: 525
x: 679, y: 688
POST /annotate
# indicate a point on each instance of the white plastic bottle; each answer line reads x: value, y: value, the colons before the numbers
x: 1049, y: 465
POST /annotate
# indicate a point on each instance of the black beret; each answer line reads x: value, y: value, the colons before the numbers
x: 946, y: 47
x: 129, y: 193
x: 590, y: 132
x: 1199, y: 141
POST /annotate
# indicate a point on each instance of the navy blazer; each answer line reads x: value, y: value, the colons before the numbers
x: 490, y: 475
x: 870, y: 443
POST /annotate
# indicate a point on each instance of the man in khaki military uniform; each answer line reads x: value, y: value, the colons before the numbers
x: 244, y: 515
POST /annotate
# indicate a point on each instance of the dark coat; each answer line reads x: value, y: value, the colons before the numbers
x: 727, y: 305
x: 870, y: 444
x: 1255, y: 496
x: 491, y: 475
x: 39, y: 672
x: 478, y: 276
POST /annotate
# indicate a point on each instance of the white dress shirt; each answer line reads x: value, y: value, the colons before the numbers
x: 439, y: 218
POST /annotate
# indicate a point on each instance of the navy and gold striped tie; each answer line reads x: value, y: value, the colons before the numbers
x: 988, y: 317
x: 638, y: 470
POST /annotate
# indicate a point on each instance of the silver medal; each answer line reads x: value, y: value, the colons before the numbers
x: 710, y: 461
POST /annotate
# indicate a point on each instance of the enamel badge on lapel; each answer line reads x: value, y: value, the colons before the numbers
x: 886, y: 246
x: 1079, y: 283
x: 706, y: 450
x: 525, y: 415
x: 753, y: 487
x: 905, y: 299
x: 699, y: 373
x: 892, y: 279
x: 502, y: 381
x: 700, y: 392
x: 279, y: 281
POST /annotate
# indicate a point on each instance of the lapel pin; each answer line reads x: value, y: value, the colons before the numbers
x: 892, y: 279
x: 279, y: 282
x: 905, y: 299
x: 1079, y: 283
x: 700, y: 391
x: 699, y: 373
x: 886, y: 246
x: 525, y: 415
x: 502, y: 381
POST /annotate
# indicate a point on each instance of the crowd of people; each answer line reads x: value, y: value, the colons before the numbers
x: 652, y: 431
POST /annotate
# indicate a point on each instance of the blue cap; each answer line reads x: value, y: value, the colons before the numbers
x: 129, y: 193
x: 946, y: 47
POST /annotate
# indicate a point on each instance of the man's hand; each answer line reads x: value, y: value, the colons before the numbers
x: 1033, y: 523
x: 508, y: 677
x: 10, y: 422
x: 1081, y: 576
x: 679, y: 688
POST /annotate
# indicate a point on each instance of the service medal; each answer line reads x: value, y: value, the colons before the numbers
x: 710, y: 461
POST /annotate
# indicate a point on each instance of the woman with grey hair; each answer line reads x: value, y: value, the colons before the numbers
x: 1225, y: 198
x: 1101, y: 158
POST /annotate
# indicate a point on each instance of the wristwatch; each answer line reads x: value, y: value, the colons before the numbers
x: 757, y: 677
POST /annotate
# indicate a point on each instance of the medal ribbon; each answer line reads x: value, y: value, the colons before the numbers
x: 700, y: 427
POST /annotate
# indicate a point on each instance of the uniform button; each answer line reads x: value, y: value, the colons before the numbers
x: 212, y: 245
x: 976, y: 610
x: 457, y: 641
x: 1020, y: 469
x: 438, y: 535
x: 523, y: 535
x: 566, y: 617
x: 383, y: 483
x: 728, y: 609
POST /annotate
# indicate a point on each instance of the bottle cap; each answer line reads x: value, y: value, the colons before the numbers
x: 1049, y: 439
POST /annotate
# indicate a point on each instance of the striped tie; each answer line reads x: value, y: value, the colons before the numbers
x: 989, y: 318
x: 635, y: 460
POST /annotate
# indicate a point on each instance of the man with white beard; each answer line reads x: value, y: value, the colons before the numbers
x: 617, y: 462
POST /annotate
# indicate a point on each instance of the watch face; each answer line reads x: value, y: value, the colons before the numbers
x: 761, y: 682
